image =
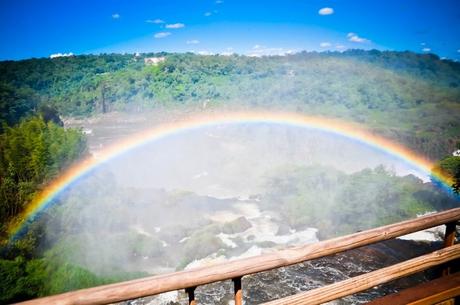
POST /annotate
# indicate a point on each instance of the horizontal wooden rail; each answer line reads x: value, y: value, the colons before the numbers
x: 368, y: 280
x: 241, y: 267
x: 432, y: 292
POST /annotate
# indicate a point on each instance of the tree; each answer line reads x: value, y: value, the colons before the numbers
x: 450, y: 168
x: 31, y: 154
x: 50, y: 114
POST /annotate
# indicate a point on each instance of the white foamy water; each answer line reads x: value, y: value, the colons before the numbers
x: 227, y: 240
x: 263, y: 229
x: 165, y: 298
x: 431, y: 234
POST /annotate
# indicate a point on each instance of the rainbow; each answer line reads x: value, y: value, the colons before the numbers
x: 348, y: 130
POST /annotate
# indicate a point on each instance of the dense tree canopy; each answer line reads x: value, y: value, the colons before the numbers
x: 409, y: 97
x: 339, y: 203
x: 31, y: 154
x: 450, y: 167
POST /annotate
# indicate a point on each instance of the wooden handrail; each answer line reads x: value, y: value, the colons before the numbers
x: 432, y: 292
x: 368, y: 280
x: 237, y: 268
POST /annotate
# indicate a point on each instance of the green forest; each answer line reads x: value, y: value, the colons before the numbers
x: 411, y: 98
x: 315, y: 195
x: 32, y: 153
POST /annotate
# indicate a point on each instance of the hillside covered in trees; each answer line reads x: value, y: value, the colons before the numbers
x: 409, y: 97
x: 33, y: 152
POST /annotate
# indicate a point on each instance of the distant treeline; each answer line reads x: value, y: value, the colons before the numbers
x: 410, y: 97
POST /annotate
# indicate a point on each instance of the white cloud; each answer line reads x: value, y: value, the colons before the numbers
x: 175, y: 26
x: 56, y: 55
x: 356, y: 39
x: 353, y: 37
x: 193, y: 41
x: 258, y: 51
x: 326, y: 11
x: 205, y: 52
x: 426, y: 50
x: 325, y: 44
x: 207, y: 14
x: 228, y: 52
x: 162, y: 34
x: 340, y: 47
x: 156, y: 21
x: 116, y: 16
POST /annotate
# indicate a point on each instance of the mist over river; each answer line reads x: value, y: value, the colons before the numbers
x: 223, y: 192
x: 226, y: 160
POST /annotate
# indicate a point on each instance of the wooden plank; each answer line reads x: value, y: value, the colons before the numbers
x: 228, y: 270
x: 449, y: 236
x: 431, y: 292
x: 191, y: 295
x: 448, y: 302
x: 238, y: 292
x: 449, y: 240
x: 371, y: 279
x: 444, y: 298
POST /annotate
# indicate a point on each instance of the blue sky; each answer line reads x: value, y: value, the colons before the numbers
x: 31, y: 28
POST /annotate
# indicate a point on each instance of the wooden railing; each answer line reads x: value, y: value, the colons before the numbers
x: 236, y: 269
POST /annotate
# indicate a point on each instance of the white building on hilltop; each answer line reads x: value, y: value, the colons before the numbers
x: 154, y: 60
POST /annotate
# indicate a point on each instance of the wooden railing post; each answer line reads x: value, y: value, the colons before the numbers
x: 191, y: 295
x: 238, y: 293
x: 449, y: 240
